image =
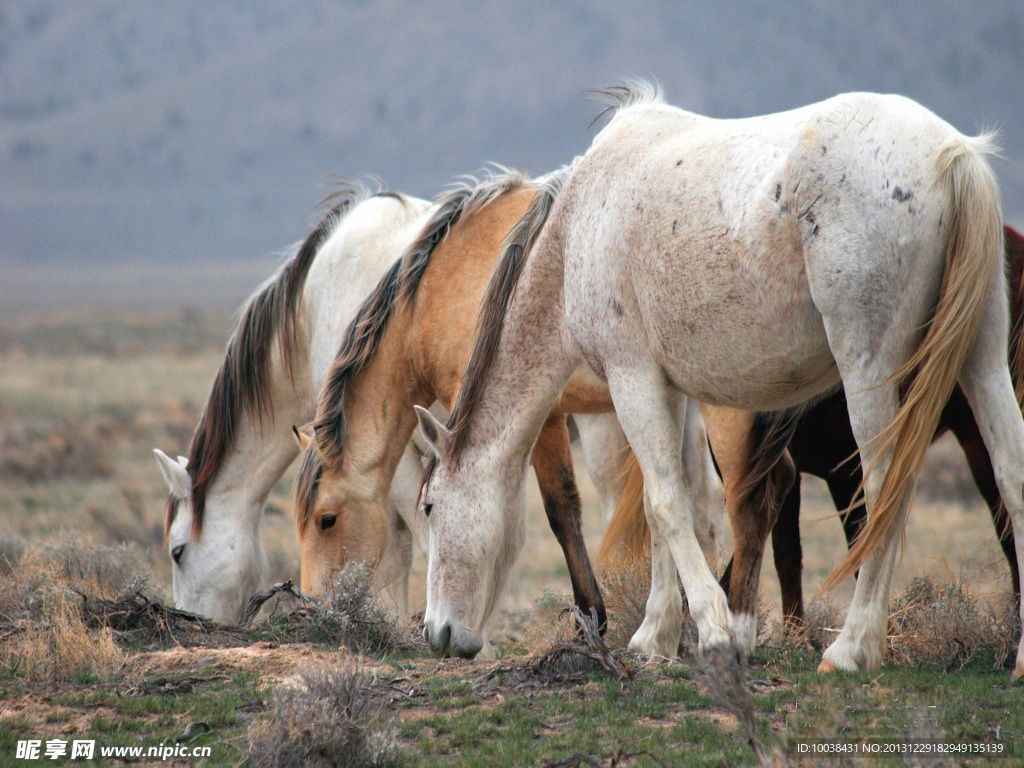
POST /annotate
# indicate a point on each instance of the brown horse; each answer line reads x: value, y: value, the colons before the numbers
x: 764, y: 496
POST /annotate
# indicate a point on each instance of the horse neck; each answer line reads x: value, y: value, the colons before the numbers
x: 443, y: 325
x: 533, y: 363
x: 263, y: 449
x: 379, y: 415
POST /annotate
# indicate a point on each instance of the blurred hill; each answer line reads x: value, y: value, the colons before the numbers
x: 178, y: 134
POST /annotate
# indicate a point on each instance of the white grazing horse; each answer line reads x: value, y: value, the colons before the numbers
x: 748, y: 263
x: 274, y: 366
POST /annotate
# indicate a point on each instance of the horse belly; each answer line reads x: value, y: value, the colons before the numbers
x: 736, y: 347
x: 719, y: 329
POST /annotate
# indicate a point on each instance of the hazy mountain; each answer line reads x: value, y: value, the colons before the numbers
x: 160, y: 131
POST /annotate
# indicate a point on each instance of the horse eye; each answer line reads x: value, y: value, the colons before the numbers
x: 177, y: 552
x: 328, y: 521
x: 427, y: 508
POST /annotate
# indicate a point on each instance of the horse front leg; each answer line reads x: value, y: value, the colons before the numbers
x: 788, y: 554
x: 667, y: 435
x: 552, y: 462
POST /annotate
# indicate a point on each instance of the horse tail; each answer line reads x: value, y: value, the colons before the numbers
x: 627, y: 538
x: 770, y: 436
x: 973, y: 253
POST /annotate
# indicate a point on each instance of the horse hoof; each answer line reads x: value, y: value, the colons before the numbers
x: 825, y: 667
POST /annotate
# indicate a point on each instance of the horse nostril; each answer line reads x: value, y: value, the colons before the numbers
x: 439, y: 641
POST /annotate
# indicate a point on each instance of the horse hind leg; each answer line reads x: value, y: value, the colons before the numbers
x: 662, y: 627
x: 870, y: 340
x: 788, y: 555
x: 861, y: 643
x: 985, y: 379
x: 963, y: 425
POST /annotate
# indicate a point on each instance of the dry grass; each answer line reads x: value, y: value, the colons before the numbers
x: 70, y: 608
x: 948, y: 624
x: 59, y: 646
x: 45, y: 635
x: 625, y: 587
x: 943, y: 623
x: 327, y: 717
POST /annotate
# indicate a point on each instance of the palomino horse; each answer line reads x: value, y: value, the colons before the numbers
x: 752, y: 264
x: 821, y: 442
x: 400, y: 352
x: 404, y: 351
x: 274, y: 365
x: 409, y: 345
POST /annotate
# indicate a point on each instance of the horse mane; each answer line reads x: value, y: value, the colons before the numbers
x: 242, y: 384
x: 367, y: 329
x: 1014, y: 247
x: 494, y: 306
x: 630, y: 93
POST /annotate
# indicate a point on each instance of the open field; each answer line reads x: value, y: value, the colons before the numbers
x: 85, y: 397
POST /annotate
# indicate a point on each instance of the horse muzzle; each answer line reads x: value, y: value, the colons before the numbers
x: 444, y: 641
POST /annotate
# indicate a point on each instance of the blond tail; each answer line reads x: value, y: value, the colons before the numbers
x: 973, y: 255
x: 628, y: 539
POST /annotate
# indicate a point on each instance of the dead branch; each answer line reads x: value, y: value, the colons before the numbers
x: 592, y: 646
x: 256, y: 601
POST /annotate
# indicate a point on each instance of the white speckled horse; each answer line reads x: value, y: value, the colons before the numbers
x: 275, y: 364
x: 749, y: 263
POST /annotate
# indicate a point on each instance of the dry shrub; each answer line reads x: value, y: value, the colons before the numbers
x: 326, y: 717
x: 61, y: 646
x: 545, y: 629
x: 102, y: 569
x: 579, y: 651
x: 72, y: 449
x: 11, y: 552
x: 948, y: 624
x: 941, y: 623
x: 625, y: 586
x: 723, y: 672
x: 822, y: 622
x: 45, y: 634
x: 67, y: 564
x: 353, y: 614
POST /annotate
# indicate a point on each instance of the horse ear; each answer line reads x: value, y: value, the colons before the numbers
x: 434, y: 431
x: 174, y: 474
x: 301, y: 438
